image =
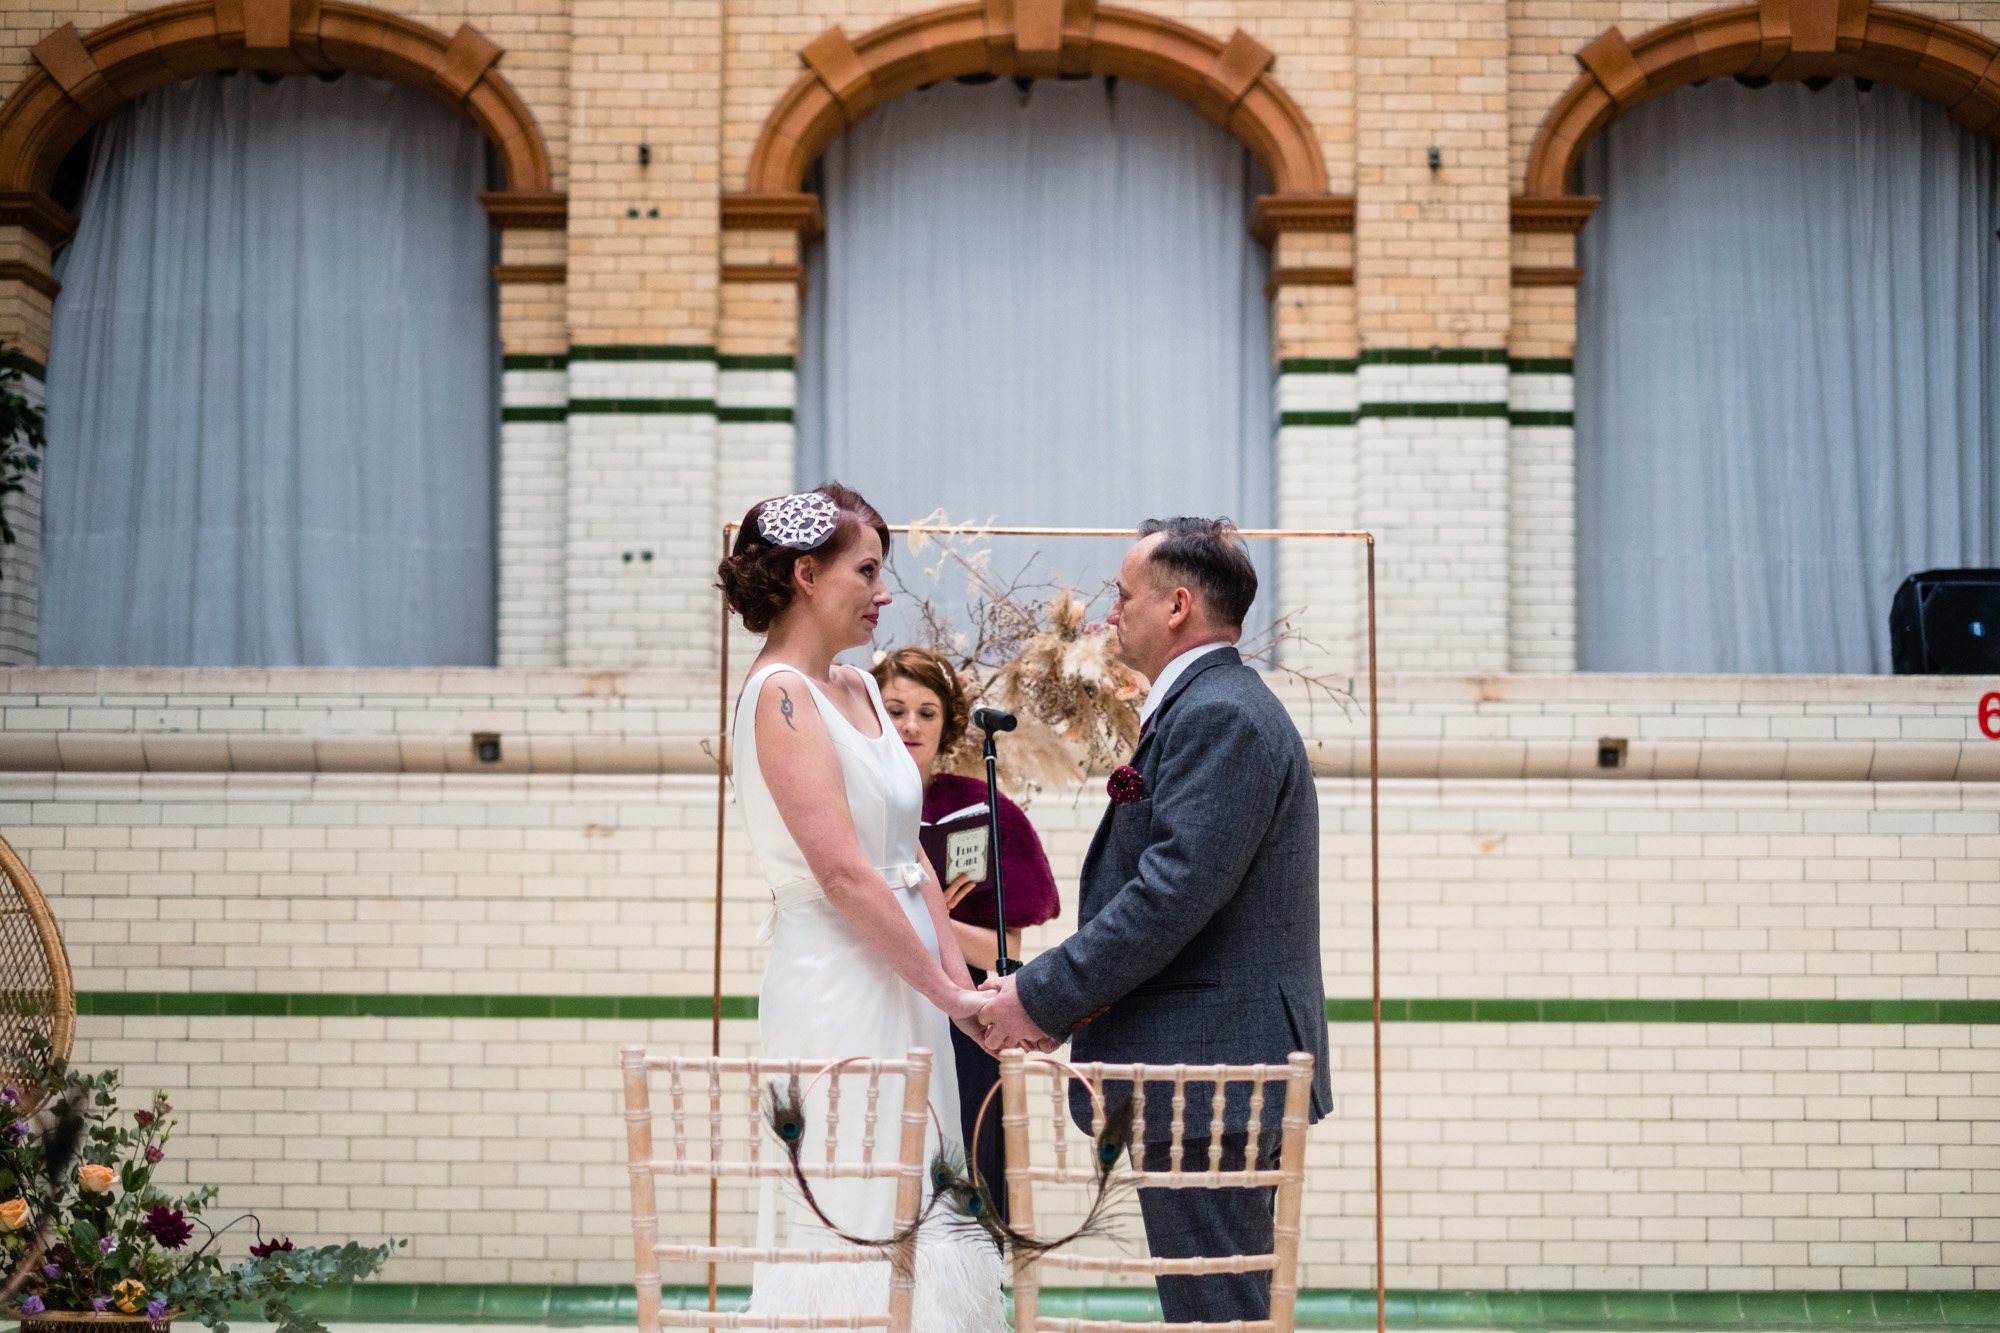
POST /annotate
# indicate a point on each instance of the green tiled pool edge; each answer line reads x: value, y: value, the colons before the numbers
x: 1324, y: 1308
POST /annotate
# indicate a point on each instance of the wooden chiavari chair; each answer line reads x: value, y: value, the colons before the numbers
x: 1075, y: 1164
x: 745, y: 1105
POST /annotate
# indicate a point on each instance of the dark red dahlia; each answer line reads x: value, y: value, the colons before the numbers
x: 1125, y: 785
x: 270, y: 1247
x: 169, y: 1227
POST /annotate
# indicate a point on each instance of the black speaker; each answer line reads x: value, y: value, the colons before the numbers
x: 1946, y: 622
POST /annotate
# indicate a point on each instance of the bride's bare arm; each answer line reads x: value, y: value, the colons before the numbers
x: 802, y: 771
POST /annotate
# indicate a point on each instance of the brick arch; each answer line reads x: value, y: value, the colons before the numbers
x: 1778, y: 39
x: 79, y: 81
x: 1230, y: 83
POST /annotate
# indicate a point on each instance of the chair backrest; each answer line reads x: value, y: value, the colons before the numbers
x: 36, y: 997
x: 731, y: 1094
x: 1074, y: 1163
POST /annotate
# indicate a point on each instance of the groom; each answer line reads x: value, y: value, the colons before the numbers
x: 1198, y: 927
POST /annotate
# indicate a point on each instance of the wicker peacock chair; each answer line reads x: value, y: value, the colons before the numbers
x: 37, y: 998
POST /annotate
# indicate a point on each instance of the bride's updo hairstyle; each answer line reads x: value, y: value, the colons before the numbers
x: 756, y: 579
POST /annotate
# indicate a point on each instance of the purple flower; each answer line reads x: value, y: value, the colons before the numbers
x: 9, y: 1095
x: 154, y: 1155
x: 155, y: 1308
x: 1125, y: 785
x: 168, y: 1226
x: 51, y: 1271
x: 100, y: 1303
x: 16, y: 1131
x: 106, y: 1244
x: 33, y: 1305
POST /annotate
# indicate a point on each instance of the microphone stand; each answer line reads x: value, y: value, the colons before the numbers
x: 993, y: 721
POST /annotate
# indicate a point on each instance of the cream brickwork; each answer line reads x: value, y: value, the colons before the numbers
x: 1656, y: 1155
x: 1431, y: 247
x: 644, y: 239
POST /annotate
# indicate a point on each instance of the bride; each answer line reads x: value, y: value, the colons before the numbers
x: 862, y: 961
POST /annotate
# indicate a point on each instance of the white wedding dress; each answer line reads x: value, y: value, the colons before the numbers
x: 827, y: 995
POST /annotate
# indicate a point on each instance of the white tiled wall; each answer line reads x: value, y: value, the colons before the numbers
x: 1541, y: 526
x: 1531, y: 1154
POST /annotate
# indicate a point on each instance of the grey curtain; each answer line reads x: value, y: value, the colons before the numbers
x: 1041, y: 307
x: 1786, y: 375
x: 273, y: 385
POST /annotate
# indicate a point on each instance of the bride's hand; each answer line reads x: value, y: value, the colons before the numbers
x: 965, y: 1005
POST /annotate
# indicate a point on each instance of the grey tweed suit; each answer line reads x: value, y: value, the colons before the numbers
x: 1198, y: 943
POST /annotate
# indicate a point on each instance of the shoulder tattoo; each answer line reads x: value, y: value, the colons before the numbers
x: 785, y: 707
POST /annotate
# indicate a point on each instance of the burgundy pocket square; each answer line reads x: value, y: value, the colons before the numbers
x: 1125, y: 785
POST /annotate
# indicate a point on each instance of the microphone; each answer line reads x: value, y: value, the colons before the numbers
x: 992, y: 719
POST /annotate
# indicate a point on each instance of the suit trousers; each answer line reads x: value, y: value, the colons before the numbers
x: 1187, y: 1223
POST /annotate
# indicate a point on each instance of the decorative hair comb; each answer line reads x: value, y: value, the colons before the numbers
x: 800, y: 522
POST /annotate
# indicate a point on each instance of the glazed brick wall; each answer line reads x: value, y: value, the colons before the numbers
x: 1521, y: 1154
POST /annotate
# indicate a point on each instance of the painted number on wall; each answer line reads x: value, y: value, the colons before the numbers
x: 1989, y: 716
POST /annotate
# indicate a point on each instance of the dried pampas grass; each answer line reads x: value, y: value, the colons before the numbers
x: 1077, y: 705
x: 1032, y: 650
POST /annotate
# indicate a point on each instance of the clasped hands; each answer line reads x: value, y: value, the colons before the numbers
x: 1002, y: 1023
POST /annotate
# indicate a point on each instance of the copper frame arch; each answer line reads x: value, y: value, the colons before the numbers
x: 1778, y: 39
x: 79, y: 81
x: 1230, y: 83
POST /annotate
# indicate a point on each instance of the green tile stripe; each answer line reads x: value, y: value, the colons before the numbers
x: 1923, y: 1012
x: 534, y: 361
x: 778, y: 361
x: 1322, y: 1308
x: 282, y: 1004
x: 534, y: 414
x: 642, y: 352
x: 1314, y: 365
x: 734, y: 415
x: 1485, y: 409
x: 1315, y: 419
x: 1541, y: 419
x: 274, y: 1004
x: 694, y: 407
x: 1434, y: 356
x: 1541, y: 365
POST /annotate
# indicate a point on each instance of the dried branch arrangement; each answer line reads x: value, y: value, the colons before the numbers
x: 1036, y: 650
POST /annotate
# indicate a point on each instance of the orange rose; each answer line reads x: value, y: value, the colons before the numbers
x: 13, y: 1214
x: 96, y: 1179
x: 128, y: 1294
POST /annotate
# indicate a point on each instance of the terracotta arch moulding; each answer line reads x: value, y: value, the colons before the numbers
x: 1230, y: 83
x: 79, y: 81
x: 1776, y: 39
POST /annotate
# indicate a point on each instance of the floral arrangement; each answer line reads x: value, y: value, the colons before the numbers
x: 83, y: 1228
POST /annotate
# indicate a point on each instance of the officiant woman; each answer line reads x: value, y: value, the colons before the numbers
x: 929, y: 708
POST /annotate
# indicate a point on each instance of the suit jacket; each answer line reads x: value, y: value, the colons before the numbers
x: 1197, y: 935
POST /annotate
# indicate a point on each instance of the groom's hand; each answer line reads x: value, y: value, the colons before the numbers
x: 1007, y: 1023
